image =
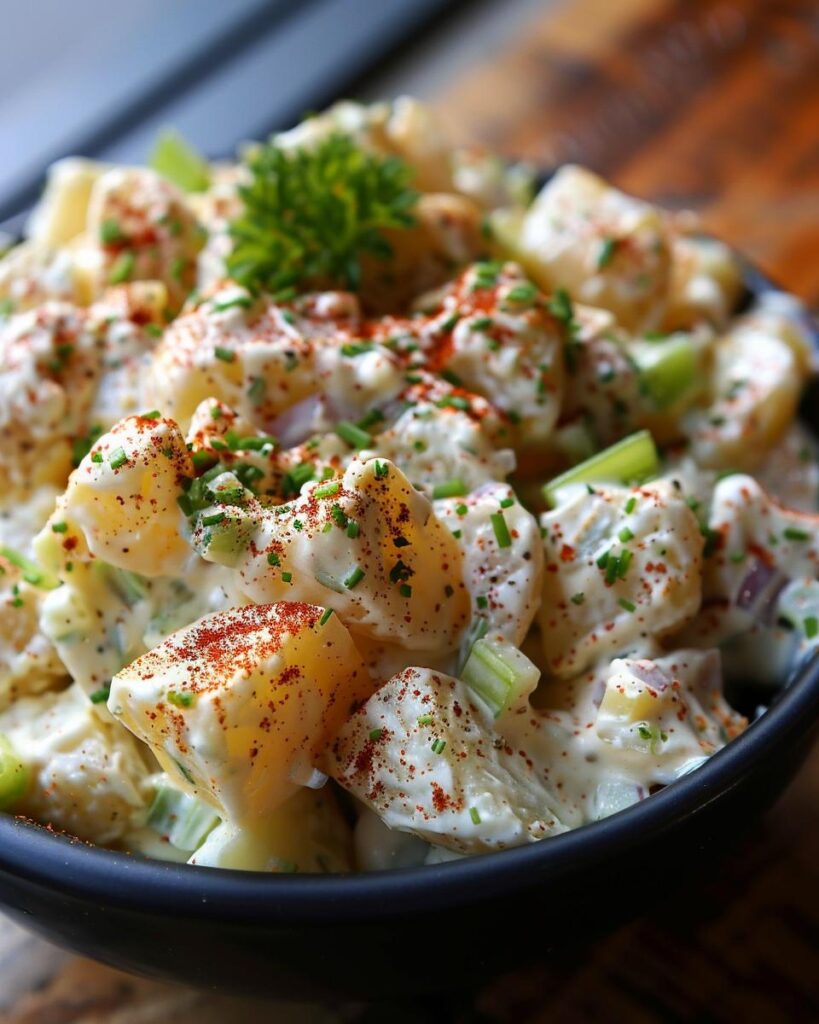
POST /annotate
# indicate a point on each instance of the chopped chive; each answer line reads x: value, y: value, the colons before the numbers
x: 454, y: 402
x: 438, y: 746
x: 521, y: 293
x: 122, y: 269
x: 452, y: 378
x: 631, y: 504
x: 376, y: 734
x: 181, y: 700
x: 110, y: 231
x: 213, y: 518
x: 255, y: 444
x: 243, y: 301
x: 352, y: 529
x: 273, y: 558
x: 461, y: 509
x: 737, y: 557
x: 481, y: 601
x: 426, y: 719
x: 457, y: 534
x: 370, y: 419
x: 117, y: 458
x: 353, y: 435
x: 626, y: 534
x: 712, y: 539
x: 629, y: 606
x: 298, y: 525
x: 354, y: 578
x: 449, y: 323
x: 451, y: 489
x: 325, y: 615
x: 502, y: 535
x: 287, y: 577
x: 602, y: 561
x: 480, y: 323
x: 473, y: 814
x: 791, y: 533
x: 811, y: 626
x: 327, y: 490
x: 59, y: 527
x: 507, y: 503
x: 339, y: 516
x: 578, y: 598
x: 257, y: 389
x: 405, y: 590
x: 225, y: 354
x: 295, y: 478
x: 100, y: 696
x: 357, y: 348
x: 381, y: 470
x: 607, y: 247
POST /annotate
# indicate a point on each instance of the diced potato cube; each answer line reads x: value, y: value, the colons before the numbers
x: 238, y: 706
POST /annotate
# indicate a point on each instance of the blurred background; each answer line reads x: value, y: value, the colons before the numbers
x: 707, y: 104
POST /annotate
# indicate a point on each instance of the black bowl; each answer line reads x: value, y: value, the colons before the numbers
x: 407, y: 932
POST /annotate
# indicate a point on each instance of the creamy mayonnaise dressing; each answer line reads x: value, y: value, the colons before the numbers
x: 279, y: 586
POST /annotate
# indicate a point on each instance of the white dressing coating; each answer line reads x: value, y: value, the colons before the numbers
x: 504, y: 580
x: 606, y: 248
x: 237, y: 706
x: 621, y: 565
x: 123, y: 497
x: 426, y: 757
x: 263, y: 535
x: 449, y: 773
x: 84, y: 776
x: 395, y: 576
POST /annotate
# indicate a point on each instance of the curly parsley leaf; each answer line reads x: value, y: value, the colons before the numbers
x: 311, y: 214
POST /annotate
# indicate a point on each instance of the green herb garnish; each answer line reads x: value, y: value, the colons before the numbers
x: 310, y: 215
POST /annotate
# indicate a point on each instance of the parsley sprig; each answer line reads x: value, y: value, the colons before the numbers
x: 311, y: 214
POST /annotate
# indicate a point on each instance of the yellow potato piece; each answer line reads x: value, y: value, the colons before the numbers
x: 238, y: 705
x: 123, y: 497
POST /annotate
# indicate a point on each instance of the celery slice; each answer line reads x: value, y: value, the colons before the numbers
x: 499, y: 674
x: 668, y: 370
x: 13, y: 774
x: 128, y: 586
x: 223, y: 542
x: 186, y: 821
x: 32, y: 573
x: 176, y: 160
x: 632, y: 459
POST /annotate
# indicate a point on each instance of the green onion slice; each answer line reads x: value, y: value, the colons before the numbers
x: 633, y: 458
x: 499, y: 674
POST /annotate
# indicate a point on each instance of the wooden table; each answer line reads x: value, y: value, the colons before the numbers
x: 709, y: 104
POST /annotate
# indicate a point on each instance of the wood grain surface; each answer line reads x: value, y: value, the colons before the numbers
x: 707, y: 104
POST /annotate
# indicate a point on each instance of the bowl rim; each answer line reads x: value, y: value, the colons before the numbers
x: 35, y: 854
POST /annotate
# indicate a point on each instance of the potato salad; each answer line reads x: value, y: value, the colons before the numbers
x: 362, y: 507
